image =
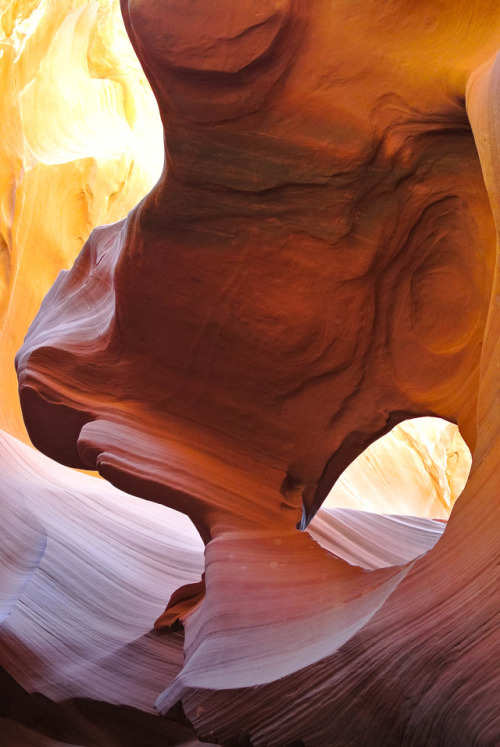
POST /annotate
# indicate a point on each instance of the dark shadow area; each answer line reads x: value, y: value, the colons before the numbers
x: 89, y: 723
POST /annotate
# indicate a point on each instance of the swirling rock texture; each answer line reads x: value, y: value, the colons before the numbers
x: 314, y: 266
x: 420, y: 467
x: 84, y: 571
x: 80, y: 144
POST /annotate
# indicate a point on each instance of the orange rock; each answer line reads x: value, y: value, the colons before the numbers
x: 75, y: 109
x: 314, y: 266
x: 291, y: 282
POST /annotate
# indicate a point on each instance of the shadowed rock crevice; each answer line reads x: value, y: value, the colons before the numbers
x: 88, y: 722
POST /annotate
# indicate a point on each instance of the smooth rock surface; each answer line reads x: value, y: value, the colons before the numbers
x: 80, y: 143
x: 315, y: 265
x: 86, y: 569
x: 419, y: 468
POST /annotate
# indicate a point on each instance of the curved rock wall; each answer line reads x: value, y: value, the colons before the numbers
x: 314, y: 266
x: 80, y: 144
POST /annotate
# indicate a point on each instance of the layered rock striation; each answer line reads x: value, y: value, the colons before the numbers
x: 314, y: 266
x: 80, y: 144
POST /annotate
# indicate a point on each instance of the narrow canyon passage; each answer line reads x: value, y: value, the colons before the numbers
x: 255, y: 272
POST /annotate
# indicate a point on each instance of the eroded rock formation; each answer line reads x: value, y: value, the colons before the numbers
x: 419, y: 468
x: 314, y: 266
x: 80, y: 144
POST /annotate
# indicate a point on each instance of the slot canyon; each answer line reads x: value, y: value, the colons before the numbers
x: 249, y: 405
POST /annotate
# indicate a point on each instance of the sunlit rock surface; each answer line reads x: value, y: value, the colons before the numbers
x: 80, y: 144
x: 419, y: 468
x: 269, y: 289
x: 87, y: 570
x: 373, y: 540
x: 314, y: 267
x: 104, y: 561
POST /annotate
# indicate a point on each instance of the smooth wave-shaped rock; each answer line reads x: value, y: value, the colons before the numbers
x: 314, y: 266
x: 80, y: 144
x: 107, y: 564
x: 217, y: 305
x: 86, y: 569
x: 371, y: 540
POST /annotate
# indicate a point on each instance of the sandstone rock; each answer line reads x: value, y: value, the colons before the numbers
x: 314, y: 266
x: 80, y: 144
x: 419, y: 468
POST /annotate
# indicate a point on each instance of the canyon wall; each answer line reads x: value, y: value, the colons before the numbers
x: 316, y: 264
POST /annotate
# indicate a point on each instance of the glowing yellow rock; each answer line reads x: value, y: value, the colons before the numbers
x: 80, y: 144
x: 419, y: 468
